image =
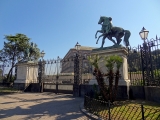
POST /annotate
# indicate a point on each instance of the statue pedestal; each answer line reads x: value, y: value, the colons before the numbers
x: 26, y: 73
x: 120, y: 51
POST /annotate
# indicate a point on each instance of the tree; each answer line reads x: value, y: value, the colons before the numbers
x: 134, y: 61
x: 109, y: 93
x: 110, y: 62
x: 15, y: 49
x: 1, y: 72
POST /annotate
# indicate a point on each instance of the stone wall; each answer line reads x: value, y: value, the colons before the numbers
x: 121, y: 95
x: 27, y: 87
x: 152, y: 93
x: 149, y: 93
x: 62, y: 88
x: 136, y: 92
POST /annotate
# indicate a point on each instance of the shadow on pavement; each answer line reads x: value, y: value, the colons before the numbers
x: 56, y: 107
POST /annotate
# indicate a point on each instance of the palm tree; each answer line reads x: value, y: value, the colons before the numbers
x: 108, y: 92
x: 110, y: 62
x: 98, y: 74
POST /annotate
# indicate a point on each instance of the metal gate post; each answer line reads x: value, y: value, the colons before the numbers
x: 57, y: 84
x: 40, y: 74
x: 77, y: 75
x: 146, y: 64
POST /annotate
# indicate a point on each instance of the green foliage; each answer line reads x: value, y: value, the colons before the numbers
x: 118, y: 61
x: 14, y: 49
x: 94, y: 60
x: 157, y: 74
x: 5, y: 79
x: 35, y: 53
x: 1, y: 71
x: 111, y: 60
x: 5, y: 90
x: 97, y: 93
x: 134, y: 61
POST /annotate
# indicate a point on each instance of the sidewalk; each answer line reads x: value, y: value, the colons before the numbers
x: 40, y: 106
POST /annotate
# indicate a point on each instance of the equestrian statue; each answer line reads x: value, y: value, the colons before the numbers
x: 29, y: 52
x: 109, y: 31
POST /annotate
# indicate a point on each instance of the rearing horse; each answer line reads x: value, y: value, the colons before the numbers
x: 116, y: 32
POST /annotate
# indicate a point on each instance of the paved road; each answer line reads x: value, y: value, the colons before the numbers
x: 40, y: 106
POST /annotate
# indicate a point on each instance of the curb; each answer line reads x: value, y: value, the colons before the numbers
x: 88, y: 114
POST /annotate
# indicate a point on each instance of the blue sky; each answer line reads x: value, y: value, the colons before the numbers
x: 56, y: 25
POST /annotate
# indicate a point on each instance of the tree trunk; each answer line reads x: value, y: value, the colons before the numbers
x: 107, y: 92
x: 8, y: 75
x: 117, y: 76
x: 12, y: 67
x: 111, y: 78
x: 101, y: 83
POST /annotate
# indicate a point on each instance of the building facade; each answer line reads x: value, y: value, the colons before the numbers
x: 68, y: 60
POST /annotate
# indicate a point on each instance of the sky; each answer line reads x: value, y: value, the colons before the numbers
x: 57, y: 25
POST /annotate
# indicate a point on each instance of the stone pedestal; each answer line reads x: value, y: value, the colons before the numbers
x: 121, y: 51
x: 27, y: 72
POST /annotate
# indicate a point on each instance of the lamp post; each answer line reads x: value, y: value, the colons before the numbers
x: 77, y: 71
x: 41, y: 70
x: 143, y: 34
x: 43, y: 62
x: 42, y: 54
x: 78, y: 64
x: 146, y: 58
x: 57, y: 76
x: 77, y: 46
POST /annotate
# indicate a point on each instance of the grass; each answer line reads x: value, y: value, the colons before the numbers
x: 5, y: 90
x: 130, y: 110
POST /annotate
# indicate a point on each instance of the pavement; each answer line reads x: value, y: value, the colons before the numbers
x: 41, y: 106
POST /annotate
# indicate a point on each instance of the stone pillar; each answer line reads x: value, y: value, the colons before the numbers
x: 121, y: 51
x: 27, y: 72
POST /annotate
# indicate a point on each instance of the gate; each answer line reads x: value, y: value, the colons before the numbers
x: 67, y: 79
x: 144, y: 64
x: 52, y: 79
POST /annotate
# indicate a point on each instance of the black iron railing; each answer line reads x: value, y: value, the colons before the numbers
x: 120, y: 112
x: 144, y: 65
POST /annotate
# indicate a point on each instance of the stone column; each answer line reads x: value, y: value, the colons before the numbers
x: 27, y: 72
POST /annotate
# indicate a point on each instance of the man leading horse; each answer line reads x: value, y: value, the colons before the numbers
x: 109, y: 31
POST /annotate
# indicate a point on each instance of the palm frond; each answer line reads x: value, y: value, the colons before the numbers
x: 94, y: 59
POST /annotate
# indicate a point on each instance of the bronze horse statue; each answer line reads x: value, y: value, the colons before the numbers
x: 29, y: 52
x: 108, y: 31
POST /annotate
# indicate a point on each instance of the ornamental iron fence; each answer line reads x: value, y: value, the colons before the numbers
x: 107, y: 111
x: 144, y: 65
x: 62, y: 72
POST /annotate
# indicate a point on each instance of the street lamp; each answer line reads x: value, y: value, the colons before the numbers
x: 43, y: 63
x: 77, y: 46
x: 57, y: 76
x: 77, y: 71
x: 146, y: 57
x: 77, y: 65
x: 58, y: 61
x: 41, y: 70
x: 42, y: 54
x: 143, y: 34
